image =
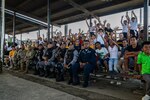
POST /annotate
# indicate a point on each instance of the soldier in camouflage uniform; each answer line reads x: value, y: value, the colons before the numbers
x: 21, y: 57
x: 30, y: 55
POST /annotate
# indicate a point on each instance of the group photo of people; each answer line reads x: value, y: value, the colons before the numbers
x: 101, y: 50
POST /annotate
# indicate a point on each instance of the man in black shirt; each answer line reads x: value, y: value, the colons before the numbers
x: 131, y: 53
x: 59, y: 70
x: 120, y: 41
x: 108, y: 29
x: 39, y: 56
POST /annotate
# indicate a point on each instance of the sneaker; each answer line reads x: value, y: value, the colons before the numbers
x: 115, y: 78
x: 146, y: 97
x: 112, y: 82
x: 124, y: 79
x: 118, y: 83
x: 6, y: 66
x: 108, y: 77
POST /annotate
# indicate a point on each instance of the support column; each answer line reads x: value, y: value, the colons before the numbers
x: 90, y: 20
x: 52, y: 31
x: 39, y: 32
x: 14, y: 27
x: 66, y: 30
x: 48, y: 20
x: 141, y: 16
x: 2, y: 31
x: 146, y: 4
x: 21, y: 38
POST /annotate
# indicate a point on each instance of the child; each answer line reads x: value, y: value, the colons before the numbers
x: 144, y: 65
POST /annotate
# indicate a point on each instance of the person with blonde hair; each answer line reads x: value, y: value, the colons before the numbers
x: 11, y: 56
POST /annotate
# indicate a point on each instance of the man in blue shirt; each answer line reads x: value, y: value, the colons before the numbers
x: 87, y: 60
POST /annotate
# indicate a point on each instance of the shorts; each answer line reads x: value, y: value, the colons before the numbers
x: 91, y: 33
x: 125, y: 35
x: 134, y: 33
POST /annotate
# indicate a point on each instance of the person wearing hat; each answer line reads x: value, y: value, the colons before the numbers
x: 87, y: 60
x: 71, y: 63
x: 39, y: 56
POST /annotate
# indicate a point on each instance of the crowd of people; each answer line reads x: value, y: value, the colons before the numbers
x: 97, y: 50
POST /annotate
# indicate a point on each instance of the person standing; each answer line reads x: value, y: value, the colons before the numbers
x: 144, y: 66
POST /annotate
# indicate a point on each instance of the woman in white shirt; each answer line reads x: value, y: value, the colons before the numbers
x: 113, y: 59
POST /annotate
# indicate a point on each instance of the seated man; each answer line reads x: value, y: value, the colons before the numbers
x: 59, y: 70
x: 39, y: 56
x: 71, y: 63
x: 48, y: 68
x: 102, y: 54
x: 87, y: 60
x: 131, y: 53
x: 21, y: 57
x: 30, y: 54
x: 121, y: 57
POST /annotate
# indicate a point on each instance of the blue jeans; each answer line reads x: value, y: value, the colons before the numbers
x: 101, y: 63
x: 113, y: 62
x: 87, y: 69
x: 73, y: 71
x: 131, y: 63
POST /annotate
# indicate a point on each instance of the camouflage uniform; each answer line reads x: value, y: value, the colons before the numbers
x: 29, y: 58
x: 21, y: 58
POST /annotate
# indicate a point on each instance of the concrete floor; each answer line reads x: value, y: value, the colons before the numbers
x: 13, y: 88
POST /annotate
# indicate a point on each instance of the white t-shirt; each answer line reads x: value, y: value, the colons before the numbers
x: 124, y: 28
x: 113, y: 51
x: 100, y: 39
x: 133, y: 25
x: 102, y: 52
x: 40, y: 42
x: 92, y: 29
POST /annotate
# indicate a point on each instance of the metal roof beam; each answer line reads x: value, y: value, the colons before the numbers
x: 26, y: 29
x: 103, y: 11
x: 27, y: 14
x: 23, y: 3
x: 79, y: 7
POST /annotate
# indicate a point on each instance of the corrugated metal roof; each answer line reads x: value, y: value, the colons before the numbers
x: 62, y: 12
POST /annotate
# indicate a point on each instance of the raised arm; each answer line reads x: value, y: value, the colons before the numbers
x: 114, y: 42
x: 104, y: 23
x: 127, y: 16
x: 87, y: 23
x: 122, y: 20
x: 99, y: 21
x: 134, y: 15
